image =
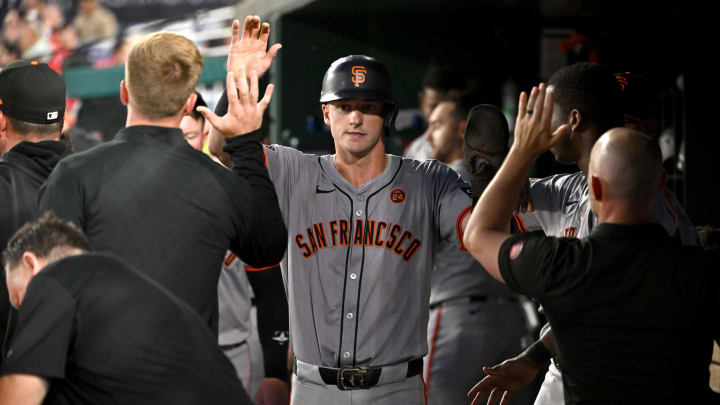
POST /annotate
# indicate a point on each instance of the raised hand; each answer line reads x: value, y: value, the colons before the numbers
x: 244, y: 112
x: 502, y: 380
x: 250, y: 51
x: 533, y: 130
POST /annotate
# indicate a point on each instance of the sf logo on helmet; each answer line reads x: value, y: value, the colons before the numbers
x: 358, y: 75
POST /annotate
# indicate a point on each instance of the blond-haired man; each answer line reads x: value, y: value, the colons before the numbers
x: 152, y: 200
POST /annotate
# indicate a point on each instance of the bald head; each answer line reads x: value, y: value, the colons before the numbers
x: 628, y: 163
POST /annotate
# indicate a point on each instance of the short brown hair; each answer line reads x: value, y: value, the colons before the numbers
x: 24, y: 128
x: 161, y: 73
x: 41, y: 237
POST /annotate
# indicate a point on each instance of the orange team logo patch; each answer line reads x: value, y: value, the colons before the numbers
x: 397, y: 195
x: 516, y: 249
x: 358, y: 75
x: 622, y: 81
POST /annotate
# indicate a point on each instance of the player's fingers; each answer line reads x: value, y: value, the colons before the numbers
x: 547, y: 109
x: 254, y: 86
x: 505, y: 400
x: 264, y: 33
x: 495, y: 394
x: 255, y: 28
x: 273, y: 51
x: 209, y: 115
x: 232, y: 91
x: 531, y: 102
x: 492, y: 370
x: 522, y: 105
x: 267, y: 97
x: 242, y: 83
x: 235, y: 37
x: 247, y: 27
x: 538, y: 103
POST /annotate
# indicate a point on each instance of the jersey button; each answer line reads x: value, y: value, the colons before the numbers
x: 353, y: 276
x: 349, y: 315
x: 358, y: 212
x: 346, y: 354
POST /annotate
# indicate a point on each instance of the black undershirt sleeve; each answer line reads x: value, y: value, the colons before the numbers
x: 267, y: 239
x: 263, y: 243
x: 272, y: 319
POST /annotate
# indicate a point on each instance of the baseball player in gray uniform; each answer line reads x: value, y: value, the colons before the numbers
x: 560, y: 203
x: 365, y: 227
x: 237, y: 326
x: 474, y: 319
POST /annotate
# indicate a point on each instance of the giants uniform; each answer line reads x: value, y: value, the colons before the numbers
x: 562, y: 209
x: 358, y: 269
x: 474, y: 321
x: 238, y: 337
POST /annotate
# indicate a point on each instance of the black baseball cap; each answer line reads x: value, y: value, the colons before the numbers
x: 32, y: 92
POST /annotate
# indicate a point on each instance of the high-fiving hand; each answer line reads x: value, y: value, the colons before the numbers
x: 250, y: 51
x: 244, y: 112
x: 533, y: 130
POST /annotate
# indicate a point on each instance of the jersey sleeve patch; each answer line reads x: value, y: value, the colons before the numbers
x: 516, y: 249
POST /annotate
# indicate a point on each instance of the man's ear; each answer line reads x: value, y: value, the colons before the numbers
x: 30, y: 262
x: 124, y: 97
x: 4, y: 122
x: 596, y: 188
x: 189, y: 104
x: 576, y: 120
x: 462, y: 126
x: 326, y: 113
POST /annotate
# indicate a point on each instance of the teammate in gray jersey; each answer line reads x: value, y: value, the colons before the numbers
x: 474, y: 319
x: 365, y: 227
x: 586, y: 103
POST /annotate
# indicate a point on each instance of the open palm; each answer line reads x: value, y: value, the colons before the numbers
x: 250, y: 51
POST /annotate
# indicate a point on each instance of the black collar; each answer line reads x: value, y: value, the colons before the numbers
x: 629, y: 232
x: 153, y: 135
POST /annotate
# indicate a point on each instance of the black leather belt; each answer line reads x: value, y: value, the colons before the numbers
x: 362, y: 378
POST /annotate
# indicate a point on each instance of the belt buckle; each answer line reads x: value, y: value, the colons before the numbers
x: 357, y: 378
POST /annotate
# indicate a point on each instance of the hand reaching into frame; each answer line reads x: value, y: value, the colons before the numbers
x: 250, y: 51
x: 244, y: 112
x: 502, y: 380
x: 533, y: 130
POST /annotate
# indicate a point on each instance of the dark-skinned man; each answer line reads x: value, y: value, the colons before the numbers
x: 607, y: 296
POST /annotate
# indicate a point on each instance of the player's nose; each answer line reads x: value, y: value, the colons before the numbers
x: 356, y: 117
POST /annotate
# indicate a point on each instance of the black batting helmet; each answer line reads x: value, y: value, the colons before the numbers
x: 361, y: 77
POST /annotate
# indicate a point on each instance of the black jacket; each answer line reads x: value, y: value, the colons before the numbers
x: 23, y: 169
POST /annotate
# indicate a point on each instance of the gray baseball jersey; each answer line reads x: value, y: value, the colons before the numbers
x: 234, y: 302
x: 562, y: 209
x: 457, y: 273
x: 358, y: 263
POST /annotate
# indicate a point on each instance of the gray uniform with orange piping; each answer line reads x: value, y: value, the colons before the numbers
x: 358, y: 266
x: 475, y: 320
